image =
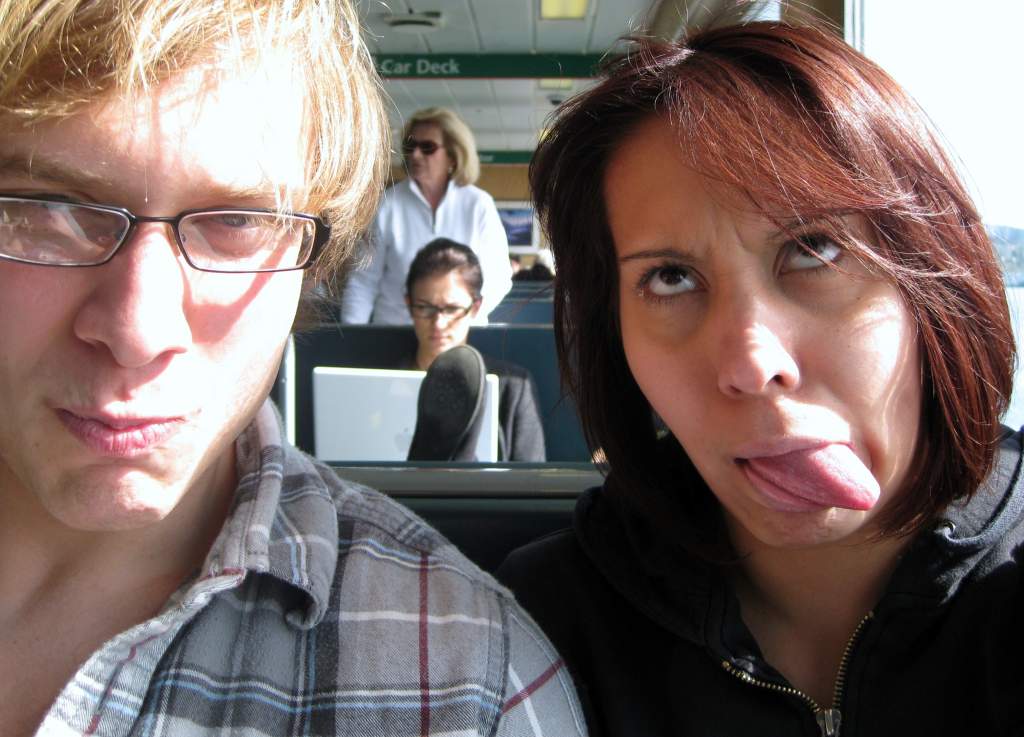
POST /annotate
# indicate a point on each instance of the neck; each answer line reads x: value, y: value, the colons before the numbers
x: 824, y: 591
x: 425, y: 357
x: 433, y: 192
x: 803, y: 607
x: 43, y: 561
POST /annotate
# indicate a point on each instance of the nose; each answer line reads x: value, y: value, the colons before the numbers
x: 755, y: 355
x: 136, y: 307
x: 439, y: 318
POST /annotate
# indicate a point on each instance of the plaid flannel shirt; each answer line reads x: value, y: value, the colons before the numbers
x: 323, y: 608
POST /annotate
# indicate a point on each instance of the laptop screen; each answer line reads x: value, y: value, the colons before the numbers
x: 370, y: 414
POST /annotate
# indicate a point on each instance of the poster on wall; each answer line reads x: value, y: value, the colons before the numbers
x: 520, y: 225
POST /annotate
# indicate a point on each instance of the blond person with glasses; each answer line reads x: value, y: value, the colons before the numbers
x: 437, y: 199
x: 443, y: 296
x: 177, y: 177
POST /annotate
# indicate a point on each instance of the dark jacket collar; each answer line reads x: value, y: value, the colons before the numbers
x: 941, y: 557
x: 639, y: 547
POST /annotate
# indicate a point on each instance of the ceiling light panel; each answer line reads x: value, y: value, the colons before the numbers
x: 559, y: 83
x: 563, y: 9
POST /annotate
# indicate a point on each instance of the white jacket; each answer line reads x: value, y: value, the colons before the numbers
x: 403, y: 225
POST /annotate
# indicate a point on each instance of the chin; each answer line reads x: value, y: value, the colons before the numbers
x: 796, y: 531
x: 132, y: 502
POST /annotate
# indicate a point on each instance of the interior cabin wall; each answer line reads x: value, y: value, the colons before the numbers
x: 501, y: 181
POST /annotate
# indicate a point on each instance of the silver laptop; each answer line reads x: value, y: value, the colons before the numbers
x: 370, y: 414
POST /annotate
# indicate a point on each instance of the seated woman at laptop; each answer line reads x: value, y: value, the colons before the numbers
x: 758, y: 239
x: 443, y: 289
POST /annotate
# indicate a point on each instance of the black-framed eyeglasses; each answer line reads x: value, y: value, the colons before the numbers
x: 428, y: 311
x: 428, y: 148
x: 54, y: 232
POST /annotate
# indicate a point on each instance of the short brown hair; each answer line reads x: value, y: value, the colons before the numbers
x: 441, y: 256
x: 803, y: 124
x: 58, y: 55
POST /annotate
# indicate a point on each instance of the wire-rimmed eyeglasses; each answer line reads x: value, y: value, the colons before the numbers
x: 54, y: 232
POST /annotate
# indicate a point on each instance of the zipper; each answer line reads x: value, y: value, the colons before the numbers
x: 829, y: 720
x: 844, y: 662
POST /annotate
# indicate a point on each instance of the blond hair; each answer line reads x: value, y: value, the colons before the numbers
x: 458, y: 141
x: 58, y: 55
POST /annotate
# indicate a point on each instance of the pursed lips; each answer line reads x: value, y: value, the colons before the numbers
x: 122, y: 436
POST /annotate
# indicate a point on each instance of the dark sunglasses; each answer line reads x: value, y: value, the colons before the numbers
x: 426, y: 147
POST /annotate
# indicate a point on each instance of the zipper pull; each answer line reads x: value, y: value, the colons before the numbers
x: 828, y: 722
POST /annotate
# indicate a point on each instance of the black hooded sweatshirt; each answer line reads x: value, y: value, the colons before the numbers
x: 653, y: 636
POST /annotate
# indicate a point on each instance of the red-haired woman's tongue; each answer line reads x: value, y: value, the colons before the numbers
x: 831, y: 475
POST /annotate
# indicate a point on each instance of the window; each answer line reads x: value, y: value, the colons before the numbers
x: 962, y: 64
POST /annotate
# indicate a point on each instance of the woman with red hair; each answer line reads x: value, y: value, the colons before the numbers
x: 771, y: 258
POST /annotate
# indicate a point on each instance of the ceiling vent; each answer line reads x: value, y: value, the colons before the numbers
x: 426, y: 22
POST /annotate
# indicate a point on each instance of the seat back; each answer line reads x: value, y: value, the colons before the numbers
x: 533, y: 310
x: 486, y: 515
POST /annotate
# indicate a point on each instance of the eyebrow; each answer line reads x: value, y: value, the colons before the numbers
x: 779, y: 233
x: 42, y: 169
x: 657, y: 253
x: 46, y: 170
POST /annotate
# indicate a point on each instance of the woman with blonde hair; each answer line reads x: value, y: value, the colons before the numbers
x: 437, y: 199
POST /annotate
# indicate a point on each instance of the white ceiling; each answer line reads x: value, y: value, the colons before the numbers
x: 508, y: 114
x: 504, y: 114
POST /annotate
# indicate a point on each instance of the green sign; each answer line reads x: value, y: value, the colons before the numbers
x: 502, y: 66
x: 505, y: 157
